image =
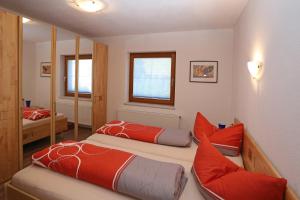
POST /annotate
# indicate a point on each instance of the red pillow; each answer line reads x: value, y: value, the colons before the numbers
x: 228, y: 140
x: 248, y: 186
x: 209, y: 164
x: 219, y: 178
x: 202, y: 126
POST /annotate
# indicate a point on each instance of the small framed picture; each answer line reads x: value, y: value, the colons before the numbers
x: 204, y: 71
x: 45, y: 69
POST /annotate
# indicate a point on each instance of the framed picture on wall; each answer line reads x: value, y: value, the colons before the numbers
x: 204, y: 71
x: 45, y: 69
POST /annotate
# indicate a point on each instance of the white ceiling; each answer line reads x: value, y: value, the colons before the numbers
x: 122, y: 17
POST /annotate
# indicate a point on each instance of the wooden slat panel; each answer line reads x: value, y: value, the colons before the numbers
x: 77, y: 46
x: 53, y: 85
x: 99, y: 97
x: 20, y: 97
x: 9, y: 95
x: 256, y: 161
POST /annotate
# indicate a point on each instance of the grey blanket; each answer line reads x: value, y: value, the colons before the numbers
x: 152, y: 180
x: 175, y: 137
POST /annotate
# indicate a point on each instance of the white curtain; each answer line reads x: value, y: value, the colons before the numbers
x: 84, y: 76
x: 152, y: 77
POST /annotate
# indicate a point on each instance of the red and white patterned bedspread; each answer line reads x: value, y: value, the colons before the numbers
x: 94, y: 164
x: 35, y: 113
x: 131, y: 131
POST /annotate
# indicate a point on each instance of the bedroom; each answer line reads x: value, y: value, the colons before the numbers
x: 264, y: 31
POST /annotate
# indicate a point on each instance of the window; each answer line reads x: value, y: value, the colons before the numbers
x: 152, y: 78
x: 84, y: 76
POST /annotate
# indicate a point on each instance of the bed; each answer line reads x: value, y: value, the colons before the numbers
x: 42, y: 185
x: 186, y: 154
x: 35, y: 130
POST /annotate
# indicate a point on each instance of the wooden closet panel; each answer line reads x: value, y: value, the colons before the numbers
x: 100, y: 57
x: 9, y: 99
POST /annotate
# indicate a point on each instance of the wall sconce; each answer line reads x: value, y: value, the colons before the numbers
x: 25, y: 20
x: 254, y: 68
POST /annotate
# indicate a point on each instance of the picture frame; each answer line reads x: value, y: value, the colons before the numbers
x: 204, y: 71
x: 45, y: 69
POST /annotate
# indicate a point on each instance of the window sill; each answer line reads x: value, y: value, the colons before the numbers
x: 72, y: 98
x: 149, y: 105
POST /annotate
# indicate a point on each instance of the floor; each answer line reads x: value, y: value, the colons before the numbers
x: 29, y: 149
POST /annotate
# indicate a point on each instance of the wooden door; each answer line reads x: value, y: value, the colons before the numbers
x: 9, y: 95
x: 99, y: 97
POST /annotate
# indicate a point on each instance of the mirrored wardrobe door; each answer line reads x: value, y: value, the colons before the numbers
x: 36, y: 73
x: 85, y: 79
x: 65, y: 84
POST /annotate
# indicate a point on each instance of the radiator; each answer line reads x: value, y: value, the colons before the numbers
x: 150, y: 118
x: 66, y: 107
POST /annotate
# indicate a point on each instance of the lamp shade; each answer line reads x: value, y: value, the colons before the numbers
x: 254, y: 68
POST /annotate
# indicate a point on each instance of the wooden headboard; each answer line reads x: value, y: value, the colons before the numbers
x: 256, y: 161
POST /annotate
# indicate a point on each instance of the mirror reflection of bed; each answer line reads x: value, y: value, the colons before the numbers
x: 36, y: 89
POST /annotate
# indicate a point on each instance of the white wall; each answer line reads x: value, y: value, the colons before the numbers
x: 37, y: 88
x: 269, y: 30
x: 42, y: 84
x: 28, y: 82
x: 214, y: 100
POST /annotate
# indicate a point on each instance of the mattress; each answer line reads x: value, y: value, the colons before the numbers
x: 49, y: 185
x: 30, y: 123
x: 178, y: 153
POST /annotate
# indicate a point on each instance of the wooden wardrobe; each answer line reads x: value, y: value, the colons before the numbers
x: 9, y: 95
x: 11, y: 136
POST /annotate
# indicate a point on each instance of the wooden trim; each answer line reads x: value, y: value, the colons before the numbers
x: 93, y: 86
x: 255, y: 160
x: 14, y: 193
x: 20, y: 70
x: 171, y: 55
x: 53, y: 84
x: 76, y: 87
x: 72, y: 57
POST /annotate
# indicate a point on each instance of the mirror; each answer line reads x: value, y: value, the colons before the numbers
x: 65, y: 84
x: 85, y: 88
x: 36, y: 72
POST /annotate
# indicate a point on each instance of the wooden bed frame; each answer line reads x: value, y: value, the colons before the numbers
x: 34, y: 133
x: 253, y: 157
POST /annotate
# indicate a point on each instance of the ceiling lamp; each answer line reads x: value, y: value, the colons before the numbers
x: 25, y: 20
x: 89, y: 5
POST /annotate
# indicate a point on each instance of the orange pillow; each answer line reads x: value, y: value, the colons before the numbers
x: 219, y: 178
x: 202, y: 126
x: 228, y: 140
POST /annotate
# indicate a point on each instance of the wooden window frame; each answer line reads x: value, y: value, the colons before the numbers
x: 72, y: 57
x: 169, y: 102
